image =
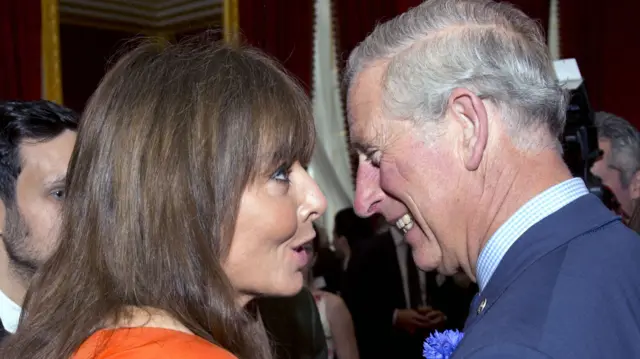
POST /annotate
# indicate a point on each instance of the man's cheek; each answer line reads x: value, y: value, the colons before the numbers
x: 389, y: 180
x: 395, y: 174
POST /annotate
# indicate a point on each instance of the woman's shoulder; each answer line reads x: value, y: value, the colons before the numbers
x: 332, y: 300
x: 148, y: 343
x: 336, y: 307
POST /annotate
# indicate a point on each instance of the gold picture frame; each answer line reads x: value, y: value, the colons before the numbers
x: 50, y: 51
x: 50, y: 43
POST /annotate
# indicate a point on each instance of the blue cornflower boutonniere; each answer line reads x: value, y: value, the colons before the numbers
x: 441, y: 345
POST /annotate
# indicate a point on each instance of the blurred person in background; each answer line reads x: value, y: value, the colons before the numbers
x: 36, y: 141
x: 395, y: 305
x: 328, y: 264
x: 294, y: 326
x: 335, y: 317
x: 349, y: 232
x: 619, y: 166
x: 634, y: 220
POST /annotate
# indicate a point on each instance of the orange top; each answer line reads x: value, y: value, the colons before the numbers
x: 148, y: 343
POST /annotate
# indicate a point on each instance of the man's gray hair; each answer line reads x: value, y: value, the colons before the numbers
x: 625, y: 144
x: 490, y: 48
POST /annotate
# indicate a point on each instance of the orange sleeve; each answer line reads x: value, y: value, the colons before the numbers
x: 148, y: 343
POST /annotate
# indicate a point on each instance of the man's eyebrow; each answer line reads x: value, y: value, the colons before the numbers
x: 365, y: 147
x: 359, y: 147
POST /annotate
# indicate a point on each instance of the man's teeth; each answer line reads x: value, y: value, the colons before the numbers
x: 405, y: 223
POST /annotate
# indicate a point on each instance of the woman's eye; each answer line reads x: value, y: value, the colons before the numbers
x: 282, y: 174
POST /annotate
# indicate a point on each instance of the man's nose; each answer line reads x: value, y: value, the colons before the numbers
x: 368, y: 192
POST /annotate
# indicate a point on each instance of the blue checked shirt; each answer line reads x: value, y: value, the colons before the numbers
x: 539, y: 207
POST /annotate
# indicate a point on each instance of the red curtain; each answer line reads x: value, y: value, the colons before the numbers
x: 357, y: 18
x: 87, y: 53
x: 20, y: 59
x: 282, y: 29
x: 603, y: 38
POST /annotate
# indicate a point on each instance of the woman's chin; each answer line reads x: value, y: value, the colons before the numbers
x: 296, y: 284
x: 282, y: 287
x: 290, y: 287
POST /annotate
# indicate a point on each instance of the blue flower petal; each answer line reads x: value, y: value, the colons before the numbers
x: 441, y: 345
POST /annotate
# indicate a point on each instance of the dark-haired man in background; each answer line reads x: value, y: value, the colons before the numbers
x: 349, y: 232
x: 36, y: 142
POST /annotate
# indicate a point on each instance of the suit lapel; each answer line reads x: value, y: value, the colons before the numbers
x: 585, y: 214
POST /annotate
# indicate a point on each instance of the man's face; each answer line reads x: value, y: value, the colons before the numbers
x: 31, y: 222
x: 611, y: 176
x: 399, y: 173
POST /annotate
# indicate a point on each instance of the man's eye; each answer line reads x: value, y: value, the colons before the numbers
x: 58, y: 194
x: 374, y: 159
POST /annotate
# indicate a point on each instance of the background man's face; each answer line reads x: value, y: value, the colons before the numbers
x: 31, y: 223
x: 611, y: 176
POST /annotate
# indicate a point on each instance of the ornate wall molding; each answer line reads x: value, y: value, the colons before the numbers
x: 231, y: 22
x: 149, y: 17
x: 50, y: 43
x: 553, y: 32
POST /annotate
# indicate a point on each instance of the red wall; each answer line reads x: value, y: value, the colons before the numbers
x: 87, y: 53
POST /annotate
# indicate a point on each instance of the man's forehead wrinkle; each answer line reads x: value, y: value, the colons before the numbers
x: 361, y: 125
x: 355, y: 135
x: 379, y: 136
x: 366, y: 125
x: 356, y: 106
x: 369, y: 134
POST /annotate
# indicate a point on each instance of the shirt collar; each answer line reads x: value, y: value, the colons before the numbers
x: 9, y: 313
x: 536, y: 209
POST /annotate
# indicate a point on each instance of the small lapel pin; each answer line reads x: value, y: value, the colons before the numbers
x: 481, y: 306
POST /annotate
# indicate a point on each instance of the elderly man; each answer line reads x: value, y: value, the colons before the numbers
x: 455, y: 111
x: 619, y: 166
x: 36, y: 141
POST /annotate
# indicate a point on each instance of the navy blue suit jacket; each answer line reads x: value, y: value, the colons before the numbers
x: 568, y: 288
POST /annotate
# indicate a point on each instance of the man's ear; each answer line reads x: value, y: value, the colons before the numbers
x: 634, y: 186
x: 468, y: 110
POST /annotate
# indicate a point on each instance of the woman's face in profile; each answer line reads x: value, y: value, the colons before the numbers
x: 274, y: 223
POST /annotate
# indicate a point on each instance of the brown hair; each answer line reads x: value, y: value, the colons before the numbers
x: 167, y: 145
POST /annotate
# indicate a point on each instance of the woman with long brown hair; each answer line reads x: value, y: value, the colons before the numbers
x: 187, y: 197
